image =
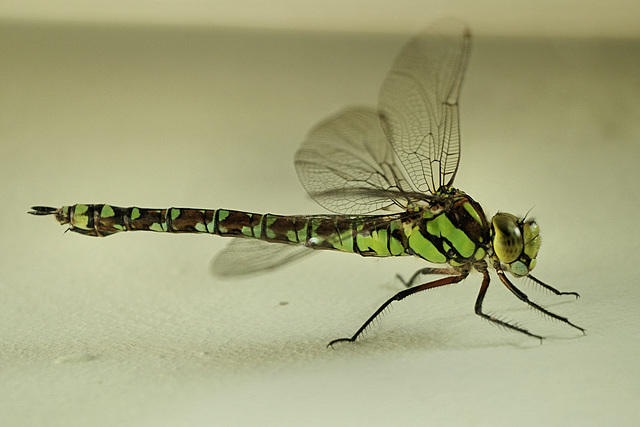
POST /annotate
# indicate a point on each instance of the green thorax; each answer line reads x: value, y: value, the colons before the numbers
x: 455, y: 230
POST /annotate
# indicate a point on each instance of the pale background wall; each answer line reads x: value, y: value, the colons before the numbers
x: 546, y: 17
x: 203, y: 105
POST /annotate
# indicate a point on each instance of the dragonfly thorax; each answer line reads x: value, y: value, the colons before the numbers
x: 515, y: 243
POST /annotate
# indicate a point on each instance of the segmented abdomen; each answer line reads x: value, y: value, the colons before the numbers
x: 367, y: 236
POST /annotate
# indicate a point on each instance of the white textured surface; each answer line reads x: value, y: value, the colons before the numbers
x: 132, y: 330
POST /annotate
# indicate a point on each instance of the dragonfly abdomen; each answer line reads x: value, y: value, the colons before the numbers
x: 105, y: 220
x: 376, y: 235
x: 367, y: 235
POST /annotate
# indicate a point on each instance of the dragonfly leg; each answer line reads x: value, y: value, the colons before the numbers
x: 424, y: 271
x: 479, y: 312
x: 400, y: 296
x: 551, y: 288
x: 523, y: 297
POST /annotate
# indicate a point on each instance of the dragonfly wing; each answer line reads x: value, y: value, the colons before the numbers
x: 347, y: 165
x: 246, y: 256
x: 418, y: 104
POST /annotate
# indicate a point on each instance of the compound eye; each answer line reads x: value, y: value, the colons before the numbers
x: 507, y: 239
x: 531, y: 236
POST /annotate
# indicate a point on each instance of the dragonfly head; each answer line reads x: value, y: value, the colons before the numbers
x: 515, y: 242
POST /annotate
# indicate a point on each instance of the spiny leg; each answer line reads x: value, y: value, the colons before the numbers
x: 400, y: 296
x: 480, y: 299
x: 551, y: 288
x: 523, y: 297
x: 424, y: 271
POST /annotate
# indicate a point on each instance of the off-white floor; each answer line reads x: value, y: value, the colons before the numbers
x: 134, y: 330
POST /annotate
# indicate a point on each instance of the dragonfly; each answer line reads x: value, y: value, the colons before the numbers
x: 387, y: 176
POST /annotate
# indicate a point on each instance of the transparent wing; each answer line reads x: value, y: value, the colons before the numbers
x: 347, y: 165
x: 246, y: 256
x: 418, y: 104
